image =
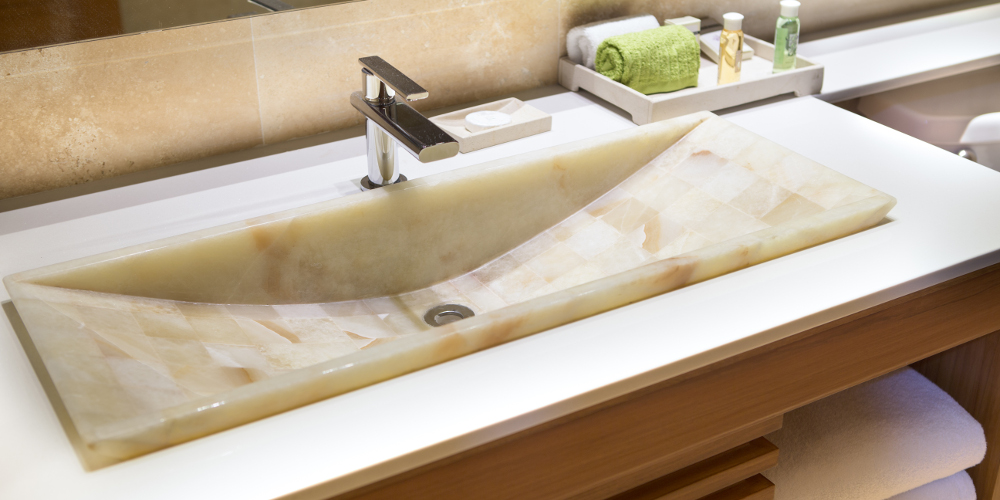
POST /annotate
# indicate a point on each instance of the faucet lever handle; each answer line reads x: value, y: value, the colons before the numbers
x: 393, y: 78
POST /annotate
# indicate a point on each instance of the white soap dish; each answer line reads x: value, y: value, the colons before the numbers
x: 524, y: 121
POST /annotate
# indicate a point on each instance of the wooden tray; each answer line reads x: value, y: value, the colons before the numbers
x: 757, y: 83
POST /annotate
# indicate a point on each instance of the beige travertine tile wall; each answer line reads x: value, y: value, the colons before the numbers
x: 81, y: 112
x: 84, y: 111
x: 460, y: 51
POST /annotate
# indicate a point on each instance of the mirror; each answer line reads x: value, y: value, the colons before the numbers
x: 28, y: 24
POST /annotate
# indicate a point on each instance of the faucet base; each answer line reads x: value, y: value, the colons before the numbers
x: 368, y: 185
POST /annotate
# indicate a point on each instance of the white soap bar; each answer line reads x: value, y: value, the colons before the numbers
x: 483, y: 120
x: 710, y: 46
x: 690, y: 22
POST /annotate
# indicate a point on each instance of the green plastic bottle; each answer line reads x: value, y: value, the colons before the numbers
x: 786, y: 36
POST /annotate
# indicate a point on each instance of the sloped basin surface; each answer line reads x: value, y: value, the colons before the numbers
x: 166, y: 342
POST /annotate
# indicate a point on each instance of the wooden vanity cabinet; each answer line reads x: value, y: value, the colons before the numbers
x: 617, y: 448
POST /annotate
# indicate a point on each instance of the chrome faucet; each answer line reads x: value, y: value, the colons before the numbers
x: 388, y: 122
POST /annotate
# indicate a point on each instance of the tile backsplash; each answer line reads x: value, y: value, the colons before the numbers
x: 84, y: 111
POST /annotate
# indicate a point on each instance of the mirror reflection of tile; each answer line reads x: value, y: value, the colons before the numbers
x: 39, y: 24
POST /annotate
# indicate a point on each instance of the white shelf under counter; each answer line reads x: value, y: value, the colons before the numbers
x: 898, y: 55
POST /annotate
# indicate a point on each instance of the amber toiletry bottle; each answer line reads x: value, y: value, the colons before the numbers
x: 730, y: 48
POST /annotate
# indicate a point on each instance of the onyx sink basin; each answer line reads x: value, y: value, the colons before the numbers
x: 162, y: 343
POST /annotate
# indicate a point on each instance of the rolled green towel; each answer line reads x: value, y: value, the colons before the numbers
x: 663, y: 59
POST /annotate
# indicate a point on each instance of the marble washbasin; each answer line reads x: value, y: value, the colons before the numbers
x: 165, y: 342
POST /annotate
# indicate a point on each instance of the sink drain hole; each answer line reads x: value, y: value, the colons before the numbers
x: 447, y: 313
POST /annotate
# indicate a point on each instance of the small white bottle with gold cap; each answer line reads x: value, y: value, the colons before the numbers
x: 730, y: 48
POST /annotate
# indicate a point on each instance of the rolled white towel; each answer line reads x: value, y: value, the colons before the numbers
x: 582, y: 41
x: 879, y: 439
x: 956, y: 487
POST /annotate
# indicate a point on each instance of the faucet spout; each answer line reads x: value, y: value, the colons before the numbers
x: 413, y: 131
x: 389, y: 122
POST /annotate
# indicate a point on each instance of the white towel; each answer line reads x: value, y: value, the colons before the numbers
x: 582, y: 41
x: 957, y: 487
x: 879, y: 439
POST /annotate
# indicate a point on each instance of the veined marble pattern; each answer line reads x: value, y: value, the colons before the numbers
x: 136, y: 373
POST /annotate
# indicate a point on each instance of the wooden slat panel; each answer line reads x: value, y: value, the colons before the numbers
x: 970, y: 373
x: 710, y: 475
x: 649, y: 460
x: 755, y: 488
x: 586, y: 454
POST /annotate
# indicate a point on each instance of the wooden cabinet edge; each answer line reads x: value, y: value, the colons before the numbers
x: 561, y: 459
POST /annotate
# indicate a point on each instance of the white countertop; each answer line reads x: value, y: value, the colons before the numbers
x: 946, y: 223
x: 890, y: 57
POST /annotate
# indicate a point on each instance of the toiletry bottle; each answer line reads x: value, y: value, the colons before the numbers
x: 730, y: 48
x: 786, y: 36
